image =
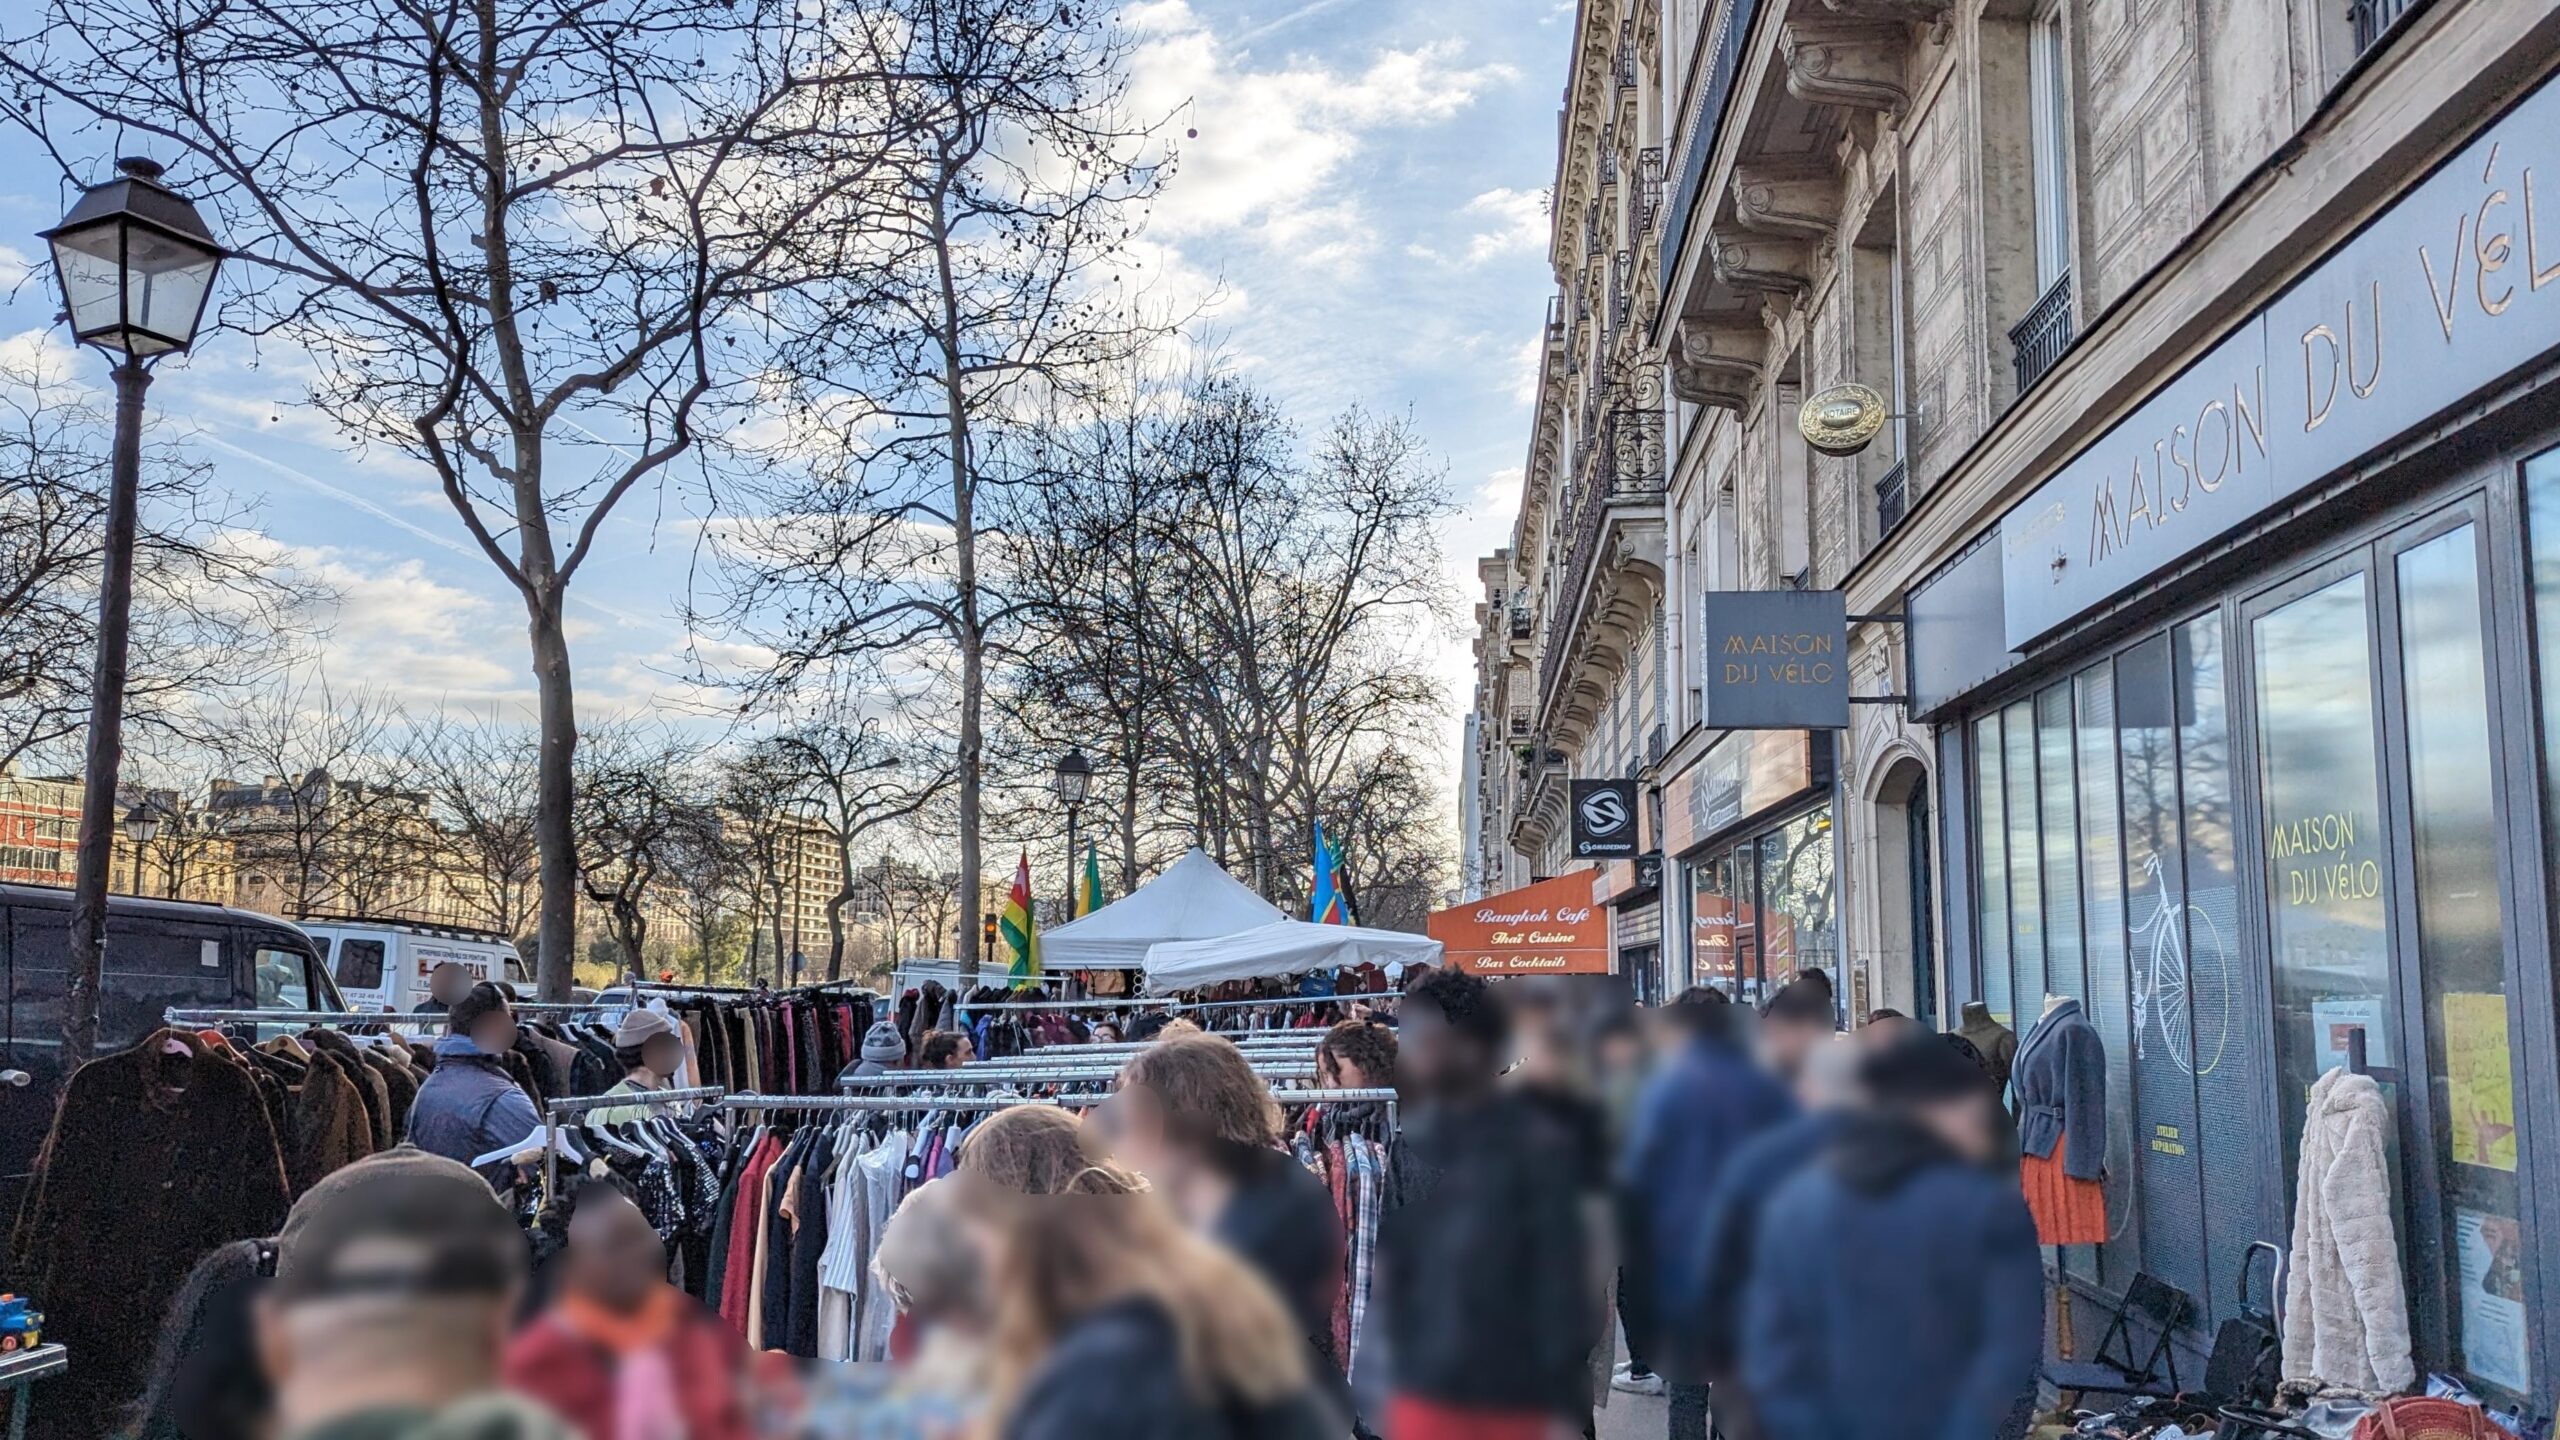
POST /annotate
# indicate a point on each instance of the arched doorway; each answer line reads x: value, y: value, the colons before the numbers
x: 1905, y: 897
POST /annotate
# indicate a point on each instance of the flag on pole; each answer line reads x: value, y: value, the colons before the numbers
x: 1015, y: 927
x: 1088, y: 888
x: 1327, y: 907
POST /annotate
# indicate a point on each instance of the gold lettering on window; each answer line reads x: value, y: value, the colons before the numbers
x: 2532, y: 240
x: 2444, y: 300
x: 2489, y: 255
x: 2316, y: 402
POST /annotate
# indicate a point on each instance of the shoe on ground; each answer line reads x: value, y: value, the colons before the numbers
x: 1632, y: 1383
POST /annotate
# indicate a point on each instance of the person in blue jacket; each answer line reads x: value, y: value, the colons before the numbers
x: 1706, y: 1100
x: 1896, y: 1292
x: 1826, y: 1085
x: 468, y: 1105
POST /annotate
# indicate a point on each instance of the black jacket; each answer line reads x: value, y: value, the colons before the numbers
x: 1113, y: 1376
x: 1483, y: 1278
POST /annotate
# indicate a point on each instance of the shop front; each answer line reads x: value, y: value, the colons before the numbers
x: 1631, y: 891
x: 1750, y: 828
x: 2246, y: 720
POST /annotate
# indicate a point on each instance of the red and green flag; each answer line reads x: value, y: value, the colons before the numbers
x: 1014, y: 927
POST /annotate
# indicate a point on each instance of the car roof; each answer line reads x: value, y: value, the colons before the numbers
x: 139, y: 906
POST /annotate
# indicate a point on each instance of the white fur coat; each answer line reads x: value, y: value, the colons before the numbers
x: 2346, y: 1310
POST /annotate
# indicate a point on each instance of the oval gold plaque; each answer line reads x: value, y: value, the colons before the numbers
x: 1842, y: 419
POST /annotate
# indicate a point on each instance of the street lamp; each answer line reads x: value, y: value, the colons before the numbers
x: 1074, y: 778
x: 141, y: 826
x: 136, y: 264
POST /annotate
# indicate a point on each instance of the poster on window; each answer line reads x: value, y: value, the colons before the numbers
x: 2489, y: 1257
x: 2333, y: 1017
x: 2480, y: 1088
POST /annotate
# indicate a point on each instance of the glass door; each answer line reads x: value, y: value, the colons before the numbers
x: 2387, y: 925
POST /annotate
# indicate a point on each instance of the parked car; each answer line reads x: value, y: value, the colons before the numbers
x: 384, y: 964
x: 160, y: 954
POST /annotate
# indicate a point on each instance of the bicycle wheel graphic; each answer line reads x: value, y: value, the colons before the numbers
x: 2192, y: 1000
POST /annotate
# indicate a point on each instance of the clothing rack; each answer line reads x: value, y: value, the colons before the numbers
x: 1034, y: 1075
x: 877, y: 1103
x: 553, y: 1113
x: 181, y: 1015
x: 1250, y: 1042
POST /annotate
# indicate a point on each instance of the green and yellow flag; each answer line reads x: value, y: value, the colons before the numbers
x: 1089, y: 884
x: 1015, y: 927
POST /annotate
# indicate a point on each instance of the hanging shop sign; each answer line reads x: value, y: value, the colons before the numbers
x: 1604, y: 819
x: 1745, y: 773
x: 1621, y: 880
x: 2447, y: 290
x: 1549, y: 928
x: 1775, y: 659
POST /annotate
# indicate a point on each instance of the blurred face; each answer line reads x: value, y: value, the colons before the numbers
x: 1881, y: 1034
x: 1336, y: 1073
x: 1784, y: 1043
x: 1964, y: 1123
x: 662, y: 1054
x: 1621, y: 1051
x: 1438, y: 1055
x: 449, y: 983
x: 495, y: 1031
x: 614, y: 1259
x: 1106, y: 1034
x: 1131, y: 1126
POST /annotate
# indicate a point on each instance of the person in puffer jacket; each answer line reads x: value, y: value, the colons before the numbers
x: 469, y: 1106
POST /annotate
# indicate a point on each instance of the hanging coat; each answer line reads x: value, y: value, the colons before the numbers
x: 154, y: 1160
x: 2346, y: 1317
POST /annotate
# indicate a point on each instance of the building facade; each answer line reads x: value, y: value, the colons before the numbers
x: 2197, y: 576
x: 40, y: 841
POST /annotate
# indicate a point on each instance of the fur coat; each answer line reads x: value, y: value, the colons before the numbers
x: 2346, y: 1313
x: 154, y: 1160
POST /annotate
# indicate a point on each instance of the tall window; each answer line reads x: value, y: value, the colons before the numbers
x: 2049, y: 133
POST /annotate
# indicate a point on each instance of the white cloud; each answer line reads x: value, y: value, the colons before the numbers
x: 1273, y: 143
x: 1525, y: 363
x: 1519, y: 219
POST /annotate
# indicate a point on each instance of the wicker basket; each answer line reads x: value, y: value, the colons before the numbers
x: 2427, y: 1418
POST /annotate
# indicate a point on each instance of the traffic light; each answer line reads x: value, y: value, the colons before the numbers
x: 987, y: 935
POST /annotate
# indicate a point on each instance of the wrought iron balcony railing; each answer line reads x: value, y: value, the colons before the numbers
x: 1624, y: 463
x: 2373, y: 18
x: 1720, y: 63
x: 2040, y: 339
x: 1893, y: 498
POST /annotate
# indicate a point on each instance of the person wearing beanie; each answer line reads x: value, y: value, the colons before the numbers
x: 1901, y: 1262
x: 650, y: 1050
x: 884, y: 1048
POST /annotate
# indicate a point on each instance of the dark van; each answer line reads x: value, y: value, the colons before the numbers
x: 160, y: 954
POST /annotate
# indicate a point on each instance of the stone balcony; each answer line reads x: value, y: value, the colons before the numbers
x: 1609, y: 566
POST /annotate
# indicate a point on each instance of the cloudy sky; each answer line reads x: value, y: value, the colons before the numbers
x: 1365, y: 192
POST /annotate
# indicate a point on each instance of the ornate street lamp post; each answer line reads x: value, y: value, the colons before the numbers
x: 136, y: 264
x: 1074, y: 778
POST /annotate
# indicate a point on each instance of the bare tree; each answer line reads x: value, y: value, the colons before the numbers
x: 326, y: 817
x: 1015, y: 179
x: 861, y: 774
x: 710, y: 885
x: 481, y: 775
x: 213, y: 618
x: 640, y: 812
x: 764, y: 804
x: 527, y: 243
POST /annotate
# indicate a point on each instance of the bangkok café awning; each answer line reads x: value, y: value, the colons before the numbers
x: 1549, y: 928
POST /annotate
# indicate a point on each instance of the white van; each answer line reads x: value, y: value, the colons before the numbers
x: 384, y: 964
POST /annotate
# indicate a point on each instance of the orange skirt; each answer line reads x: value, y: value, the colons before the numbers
x: 2067, y: 1211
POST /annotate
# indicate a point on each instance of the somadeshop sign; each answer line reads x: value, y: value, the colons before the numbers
x: 1550, y: 928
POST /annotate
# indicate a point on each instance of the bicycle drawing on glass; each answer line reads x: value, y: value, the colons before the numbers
x: 2187, y: 992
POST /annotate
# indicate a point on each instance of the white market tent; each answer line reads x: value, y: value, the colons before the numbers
x: 1192, y: 900
x: 1283, y: 947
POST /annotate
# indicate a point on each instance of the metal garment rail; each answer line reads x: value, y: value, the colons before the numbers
x: 1034, y: 1075
x: 553, y: 1113
x: 974, y: 1103
x: 179, y: 1015
x: 1176, y: 1007
x: 1285, y: 1040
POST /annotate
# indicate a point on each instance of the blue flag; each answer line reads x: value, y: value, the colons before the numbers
x: 1327, y: 907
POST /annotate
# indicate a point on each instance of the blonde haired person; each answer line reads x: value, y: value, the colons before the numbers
x: 1111, y: 1319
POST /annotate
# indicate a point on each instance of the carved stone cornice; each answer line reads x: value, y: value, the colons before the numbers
x: 1787, y: 197
x: 1747, y: 261
x: 1853, y: 63
x: 1914, y: 12
x: 1717, y: 365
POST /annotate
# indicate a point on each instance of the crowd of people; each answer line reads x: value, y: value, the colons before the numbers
x: 1791, y: 1232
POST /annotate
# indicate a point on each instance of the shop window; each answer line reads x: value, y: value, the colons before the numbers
x: 1991, y: 854
x: 2326, y: 915
x: 1798, y: 928
x: 2227, y: 1080
x: 2102, y: 908
x: 2026, y: 889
